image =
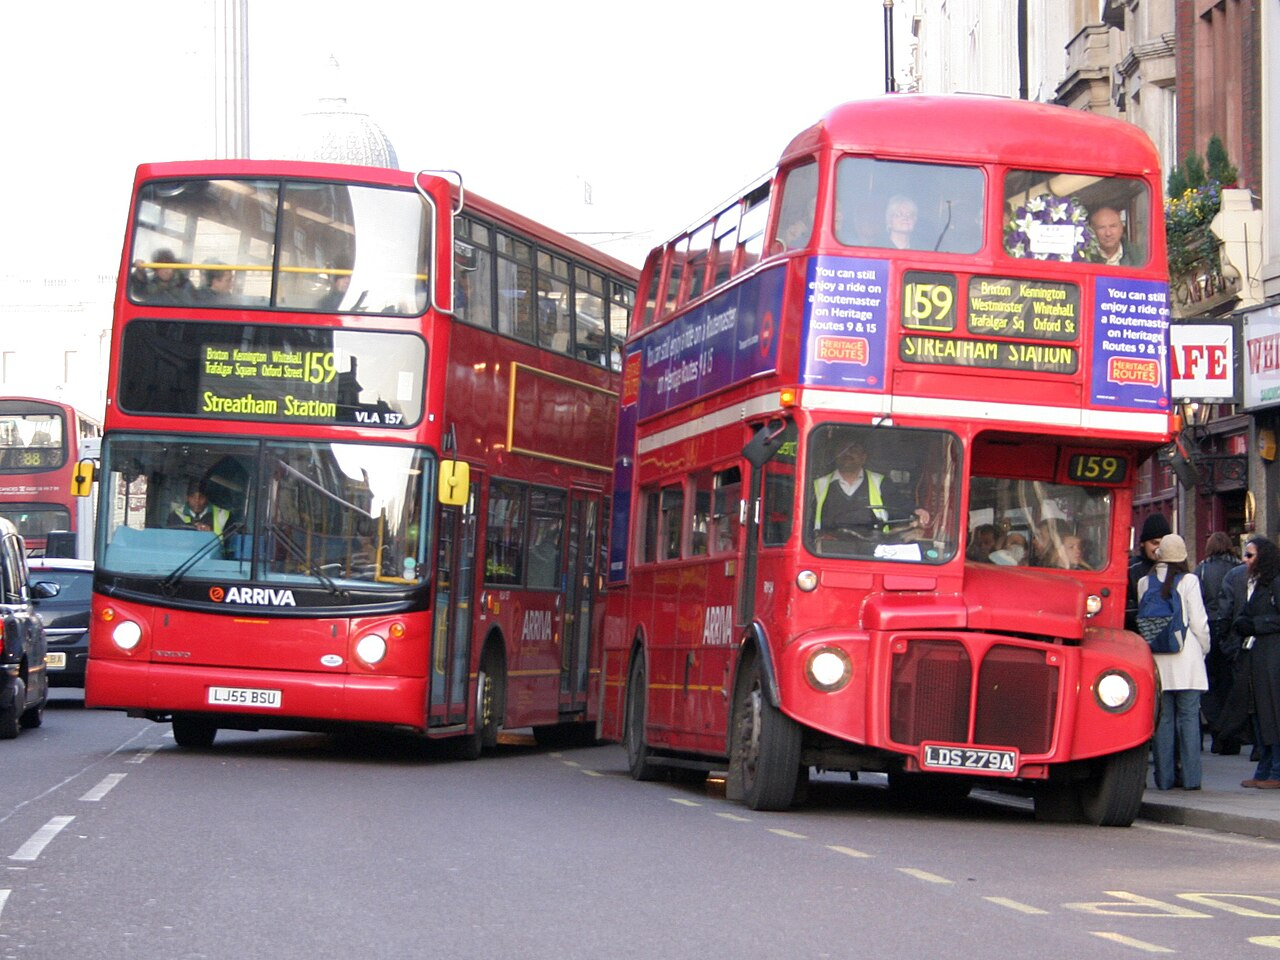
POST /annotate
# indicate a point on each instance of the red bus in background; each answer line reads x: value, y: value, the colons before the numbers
x: 879, y: 427
x: 357, y: 453
x: 39, y: 448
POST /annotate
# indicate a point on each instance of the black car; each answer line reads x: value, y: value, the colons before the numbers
x: 65, y: 617
x: 24, y: 681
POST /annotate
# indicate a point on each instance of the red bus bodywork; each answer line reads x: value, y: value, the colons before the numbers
x: 39, y: 449
x: 1019, y: 381
x: 317, y: 607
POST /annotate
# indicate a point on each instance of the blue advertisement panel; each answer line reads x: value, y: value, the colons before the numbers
x: 846, y: 321
x: 623, y: 465
x: 730, y: 338
x: 1130, y: 344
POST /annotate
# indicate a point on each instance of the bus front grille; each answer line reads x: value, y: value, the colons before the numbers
x: 931, y: 686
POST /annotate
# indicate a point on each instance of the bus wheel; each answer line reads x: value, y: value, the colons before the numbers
x: 764, y: 754
x: 12, y: 697
x: 1114, y: 797
x: 490, y: 707
x: 638, y: 753
x: 193, y: 734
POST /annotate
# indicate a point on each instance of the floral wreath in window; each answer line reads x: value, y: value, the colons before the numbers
x: 1051, y: 228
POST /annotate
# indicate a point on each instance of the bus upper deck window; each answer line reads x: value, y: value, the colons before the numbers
x: 1076, y: 217
x: 794, y: 224
x: 909, y: 206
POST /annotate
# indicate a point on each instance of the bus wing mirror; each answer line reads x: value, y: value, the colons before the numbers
x: 82, y: 479
x: 766, y: 442
x: 455, y: 482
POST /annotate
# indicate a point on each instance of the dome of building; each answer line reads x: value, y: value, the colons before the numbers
x: 335, y: 132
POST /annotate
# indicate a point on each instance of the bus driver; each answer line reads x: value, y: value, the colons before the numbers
x: 855, y: 503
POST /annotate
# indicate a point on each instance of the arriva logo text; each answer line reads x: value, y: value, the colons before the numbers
x: 717, y: 629
x: 258, y: 596
x: 537, y: 625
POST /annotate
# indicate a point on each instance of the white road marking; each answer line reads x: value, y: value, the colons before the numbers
x: 41, y: 838
x: 924, y: 875
x: 1131, y: 942
x: 1015, y: 905
x: 104, y: 787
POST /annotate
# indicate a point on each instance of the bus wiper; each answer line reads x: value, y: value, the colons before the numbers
x: 300, y: 555
x: 945, y: 227
x: 170, y: 583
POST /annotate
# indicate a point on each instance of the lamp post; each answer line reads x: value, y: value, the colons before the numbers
x: 890, y: 86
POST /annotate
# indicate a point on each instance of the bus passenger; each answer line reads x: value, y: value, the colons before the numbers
x: 981, y: 542
x: 1012, y: 553
x: 853, y: 502
x: 340, y: 280
x: 1109, y: 229
x: 197, y: 513
x: 900, y: 221
x: 159, y: 284
x: 217, y: 283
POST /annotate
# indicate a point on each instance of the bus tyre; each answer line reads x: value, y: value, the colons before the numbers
x: 764, y: 752
x: 638, y: 753
x: 490, y: 705
x: 1114, y: 796
x: 12, y: 697
x: 193, y: 734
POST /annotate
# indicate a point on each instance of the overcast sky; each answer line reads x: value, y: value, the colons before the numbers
x: 664, y: 107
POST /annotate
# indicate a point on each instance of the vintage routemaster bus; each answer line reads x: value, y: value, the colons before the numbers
x: 39, y: 448
x: 357, y: 455
x: 880, y: 421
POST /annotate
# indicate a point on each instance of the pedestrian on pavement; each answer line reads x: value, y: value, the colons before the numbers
x: 1182, y: 674
x: 1219, y: 558
x: 1257, y: 626
x: 1153, y: 528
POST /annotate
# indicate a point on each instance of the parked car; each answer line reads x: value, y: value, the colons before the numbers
x: 65, y: 617
x: 24, y: 681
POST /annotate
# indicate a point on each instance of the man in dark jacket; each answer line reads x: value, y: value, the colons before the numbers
x: 1154, y: 528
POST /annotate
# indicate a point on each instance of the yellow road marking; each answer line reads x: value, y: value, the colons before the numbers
x: 1124, y: 941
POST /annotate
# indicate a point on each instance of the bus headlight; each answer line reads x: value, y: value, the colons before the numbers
x: 828, y: 669
x: 126, y: 634
x: 371, y: 648
x: 1092, y: 605
x: 1115, y: 691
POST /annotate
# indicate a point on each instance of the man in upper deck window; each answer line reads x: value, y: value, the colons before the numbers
x: 1108, y: 227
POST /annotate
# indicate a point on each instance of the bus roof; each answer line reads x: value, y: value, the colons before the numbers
x: 969, y: 127
x: 380, y: 176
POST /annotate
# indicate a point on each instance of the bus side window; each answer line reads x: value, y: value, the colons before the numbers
x: 700, y: 516
x: 648, y: 546
x: 726, y: 502
x: 726, y: 243
x: 751, y: 232
x: 794, y: 225
x: 672, y: 509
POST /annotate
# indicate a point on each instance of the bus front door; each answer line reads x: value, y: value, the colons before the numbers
x: 580, y: 580
x: 453, y: 606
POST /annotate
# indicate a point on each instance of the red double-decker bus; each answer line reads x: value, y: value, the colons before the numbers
x: 356, y: 457
x: 880, y: 421
x: 40, y: 445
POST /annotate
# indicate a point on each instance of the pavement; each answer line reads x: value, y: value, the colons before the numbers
x: 1220, y: 803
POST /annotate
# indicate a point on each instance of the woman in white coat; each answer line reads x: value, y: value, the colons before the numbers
x: 1182, y: 675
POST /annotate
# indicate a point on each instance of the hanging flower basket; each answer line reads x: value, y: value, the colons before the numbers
x: 1051, y: 228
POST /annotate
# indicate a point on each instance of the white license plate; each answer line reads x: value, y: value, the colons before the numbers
x: 55, y: 661
x: 244, y: 697
x: 938, y: 757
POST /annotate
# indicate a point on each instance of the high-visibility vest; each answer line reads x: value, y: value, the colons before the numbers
x: 219, y: 516
x: 874, y: 498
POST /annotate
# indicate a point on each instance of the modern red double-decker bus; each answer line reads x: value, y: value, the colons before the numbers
x: 356, y: 459
x: 40, y: 444
x: 880, y: 421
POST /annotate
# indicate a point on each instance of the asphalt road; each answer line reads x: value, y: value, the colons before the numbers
x: 117, y: 843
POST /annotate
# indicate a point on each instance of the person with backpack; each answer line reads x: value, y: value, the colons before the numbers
x: 1220, y: 558
x: 1171, y: 592
x: 1144, y: 558
x: 1256, y: 628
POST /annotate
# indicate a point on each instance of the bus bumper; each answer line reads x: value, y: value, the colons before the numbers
x: 159, y: 690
